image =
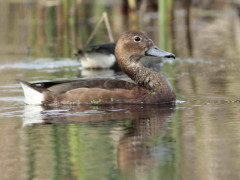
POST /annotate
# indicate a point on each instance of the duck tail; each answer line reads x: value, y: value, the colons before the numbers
x: 33, y: 94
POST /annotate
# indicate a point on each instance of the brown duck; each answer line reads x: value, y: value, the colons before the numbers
x: 149, y: 87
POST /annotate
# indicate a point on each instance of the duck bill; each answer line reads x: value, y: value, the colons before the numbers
x: 156, y: 52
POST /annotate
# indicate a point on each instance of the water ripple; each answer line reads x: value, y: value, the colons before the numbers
x: 41, y: 63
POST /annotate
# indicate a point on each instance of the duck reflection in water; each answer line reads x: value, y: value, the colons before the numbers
x: 136, y: 144
x: 144, y: 147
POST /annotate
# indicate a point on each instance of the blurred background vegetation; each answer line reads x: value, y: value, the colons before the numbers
x: 56, y: 28
x: 197, y: 140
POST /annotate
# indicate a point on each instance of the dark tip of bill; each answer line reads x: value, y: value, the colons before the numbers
x: 170, y: 56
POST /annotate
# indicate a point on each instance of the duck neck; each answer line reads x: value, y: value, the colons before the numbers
x: 145, y: 77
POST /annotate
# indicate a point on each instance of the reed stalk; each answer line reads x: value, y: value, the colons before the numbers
x: 165, y: 7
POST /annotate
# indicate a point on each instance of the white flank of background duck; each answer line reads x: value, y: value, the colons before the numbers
x: 97, y: 60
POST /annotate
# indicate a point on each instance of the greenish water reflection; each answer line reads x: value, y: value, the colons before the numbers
x: 139, y: 143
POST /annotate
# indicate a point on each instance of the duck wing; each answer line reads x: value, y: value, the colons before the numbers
x: 102, y: 48
x: 67, y: 85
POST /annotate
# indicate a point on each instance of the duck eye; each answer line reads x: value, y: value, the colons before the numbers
x: 137, y: 39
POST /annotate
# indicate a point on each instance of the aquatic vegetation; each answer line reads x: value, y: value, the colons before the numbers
x: 96, y: 101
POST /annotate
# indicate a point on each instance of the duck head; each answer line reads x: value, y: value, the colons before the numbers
x: 133, y: 45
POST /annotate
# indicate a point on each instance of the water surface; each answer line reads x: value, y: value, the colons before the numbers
x: 199, y: 138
